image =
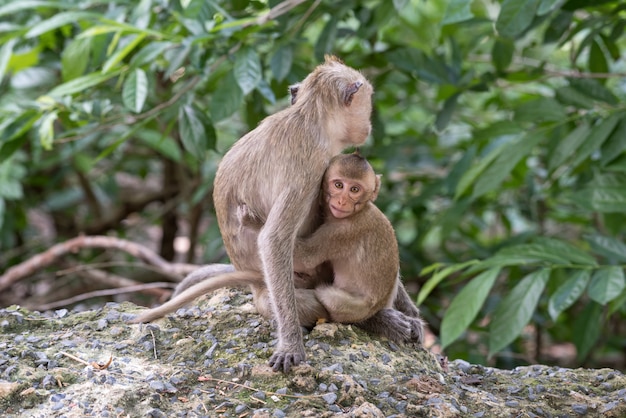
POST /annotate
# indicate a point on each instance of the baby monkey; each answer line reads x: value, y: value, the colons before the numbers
x: 358, y: 241
x: 356, y: 238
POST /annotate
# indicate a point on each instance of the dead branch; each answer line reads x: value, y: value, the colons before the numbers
x: 104, y: 292
x: 110, y: 280
x: 175, y: 271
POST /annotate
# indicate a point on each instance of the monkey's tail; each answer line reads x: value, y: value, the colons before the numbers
x: 233, y: 279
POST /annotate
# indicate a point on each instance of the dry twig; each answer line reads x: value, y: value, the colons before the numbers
x: 46, y: 258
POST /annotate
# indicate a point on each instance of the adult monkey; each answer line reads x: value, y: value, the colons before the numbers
x: 275, y: 170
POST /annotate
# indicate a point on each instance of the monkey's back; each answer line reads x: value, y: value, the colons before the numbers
x: 281, y: 153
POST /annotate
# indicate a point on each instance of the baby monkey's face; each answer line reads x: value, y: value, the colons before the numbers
x: 345, y: 196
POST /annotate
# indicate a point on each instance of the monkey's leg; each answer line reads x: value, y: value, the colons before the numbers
x: 344, y: 306
x: 201, y: 274
x: 310, y: 310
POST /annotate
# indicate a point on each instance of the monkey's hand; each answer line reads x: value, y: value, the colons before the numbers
x: 283, y: 360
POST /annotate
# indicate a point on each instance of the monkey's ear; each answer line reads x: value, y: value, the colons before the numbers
x: 350, y: 91
x: 293, y: 91
x: 376, y: 188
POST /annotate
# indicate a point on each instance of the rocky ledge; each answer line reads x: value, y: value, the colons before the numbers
x: 211, y: 360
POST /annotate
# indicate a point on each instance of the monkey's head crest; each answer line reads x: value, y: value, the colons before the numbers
x: 329, y: 59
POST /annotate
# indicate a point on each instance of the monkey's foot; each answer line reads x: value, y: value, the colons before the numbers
x: 281, y: 360
x: 391, y: 324
x: 417, y: 329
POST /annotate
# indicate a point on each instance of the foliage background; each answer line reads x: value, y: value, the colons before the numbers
x: 499, y: 128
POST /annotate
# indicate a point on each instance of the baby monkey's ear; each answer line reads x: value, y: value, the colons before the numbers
x: 376, y: 188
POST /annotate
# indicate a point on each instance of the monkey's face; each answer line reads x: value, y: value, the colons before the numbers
x: 345, y: 196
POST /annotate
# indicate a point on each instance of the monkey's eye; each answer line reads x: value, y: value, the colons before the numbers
x: 355, y: 189
x: 338, y: 185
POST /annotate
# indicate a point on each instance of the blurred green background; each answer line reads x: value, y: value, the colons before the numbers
x: 499, y: 128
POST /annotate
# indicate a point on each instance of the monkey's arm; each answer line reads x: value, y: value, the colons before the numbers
x: 329, y: 241
x: 276, y: 243
x: 235, y: 278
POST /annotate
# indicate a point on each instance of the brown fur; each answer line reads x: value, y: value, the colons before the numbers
x: 275, y: 170
x: 363, y: 253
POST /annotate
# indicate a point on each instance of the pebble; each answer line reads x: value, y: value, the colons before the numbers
x: 330, y: 398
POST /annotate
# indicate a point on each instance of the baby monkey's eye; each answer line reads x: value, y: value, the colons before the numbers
x: 338, y: 185
x: 355, y: 189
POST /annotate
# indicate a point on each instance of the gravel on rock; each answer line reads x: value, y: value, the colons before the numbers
x: 211, y: 360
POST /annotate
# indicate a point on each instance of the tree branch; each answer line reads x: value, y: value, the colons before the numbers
x: 175, y: 271
x: 105, y: 292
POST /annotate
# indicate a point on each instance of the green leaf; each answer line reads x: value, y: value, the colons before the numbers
x: 569, y: 96
x: 515, y: 310
x: 594, y: 89
x: 564, y: 249
x: 226, y: 99
x: 266, y: 91
x: 600, y: 199
x: 608, y: 247
x: 46, y: 130
x: 58, y: 20
x: 457, y: 11
x: 18, y: 126
x: 247, y: 69
x: 469, y: 178
x: 607, y: 284
x: 177, y: 57
x: 192, y: 132
x: 281, y: 62
x: 6, y: 51
x: 466, y: 305
x: 587, y: 329
x: 122, y: 53
x: 326, y: 41
x: 546, y: 6
x: 400, y: 4
x: 568, y: 293
x: 502, y: 53
x: 515, y: 17
x: 161, y: 143
x: 149, y: 53
x: 445, y: 114
x: 75, y: 58
x: 438, y: 277
x: 135, y: 90
x: 80, y: 84
x: 196, y: 131
x: 597, y: 60
x: 11, y: 174
x: 17, y: 6
x: 542, y: 109
x: 504, y: 164
x: 549, y: 251
x: 599, y: 133
x: 615, y: 145
x: 568, y: 146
